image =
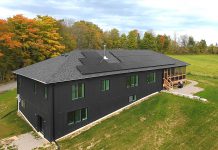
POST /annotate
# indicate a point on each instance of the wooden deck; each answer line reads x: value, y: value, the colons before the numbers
x: 173, y: 76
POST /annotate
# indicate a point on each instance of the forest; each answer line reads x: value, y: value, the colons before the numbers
x: 25, y: 41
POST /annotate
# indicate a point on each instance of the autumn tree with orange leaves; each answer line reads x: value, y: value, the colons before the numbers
x: 24, y: 41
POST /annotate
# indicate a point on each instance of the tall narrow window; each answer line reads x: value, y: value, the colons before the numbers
x: 77, y: 116
x: 34, y: 88
x: 84, y: 113
x: 132, y: 81
x: 78, y: 91
x: 46, y: 92
x: 105, y: 85
x: 70, y: 118
x: 151, y: 77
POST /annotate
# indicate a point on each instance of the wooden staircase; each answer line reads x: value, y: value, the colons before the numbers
x: 167, y: 83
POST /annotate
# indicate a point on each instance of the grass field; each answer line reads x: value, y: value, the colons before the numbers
x: 203, y: 65
x: 10, y: 123
x: 164, y: 121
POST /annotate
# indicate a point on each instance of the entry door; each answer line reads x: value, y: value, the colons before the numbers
x: 41, y: 124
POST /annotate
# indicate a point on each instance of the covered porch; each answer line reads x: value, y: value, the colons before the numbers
x: 172, y: 76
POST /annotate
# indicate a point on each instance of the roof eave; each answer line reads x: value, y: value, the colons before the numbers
x: 14, y: 72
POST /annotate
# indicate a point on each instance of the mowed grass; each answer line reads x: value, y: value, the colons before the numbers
x: 203, y: 65
x: 164, y: 121
x: 10, y: 123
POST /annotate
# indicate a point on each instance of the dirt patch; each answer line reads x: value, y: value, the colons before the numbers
x: 142, y: 119
x: 25, y: 141
x: 93, y: 143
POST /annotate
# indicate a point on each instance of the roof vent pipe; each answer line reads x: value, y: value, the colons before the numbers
x: 105, y: 57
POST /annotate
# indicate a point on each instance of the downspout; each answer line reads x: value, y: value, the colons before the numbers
x: 18, y: 96
x: 53, y: 117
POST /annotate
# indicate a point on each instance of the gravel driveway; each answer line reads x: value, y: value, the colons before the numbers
x: 8, y: 86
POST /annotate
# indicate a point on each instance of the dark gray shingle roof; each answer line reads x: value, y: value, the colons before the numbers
x: 83, y: 64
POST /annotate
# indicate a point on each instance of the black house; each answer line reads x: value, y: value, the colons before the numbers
x: 62, y: 94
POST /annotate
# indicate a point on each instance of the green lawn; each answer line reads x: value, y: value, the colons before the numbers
x: 164, y: 121
x: 204, y: 65
x: 10, y: 123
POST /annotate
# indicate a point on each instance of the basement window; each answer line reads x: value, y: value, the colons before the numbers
x: 84, y: 113
x: 78, y: 91
x: 70, y: 118
x: 132, y: 98
x: 105, y: 85
x: 151, y: 77
x: 77, y: 116
x: 132, y: 81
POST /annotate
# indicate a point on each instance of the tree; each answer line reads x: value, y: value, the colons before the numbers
x: 115, y: 36
x: 8, y: 49
x: 132, y: 39
x: 163, y: 43
x: 183, y: 42
x: 107, y: 39
x: 65, y: 31
x: 112, y: 39
x: 148, y: 41
x: 24, y: 41
x: 50, y: 43
x: 123, y: 41
x: 213, y: 49
x: 202, y: 46
x: 191, y: 44
x: 87, y: 35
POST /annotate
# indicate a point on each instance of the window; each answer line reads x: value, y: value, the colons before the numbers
x: 77, y: 91
x: 132, y: 81
x: 132, y: 98
x: 84, y: 113
x: 151, y: 77
x: 34, y: 88
x: 105, y: 85
x: 77, y: 116
x: 46, y: 92
x: 70, y: 118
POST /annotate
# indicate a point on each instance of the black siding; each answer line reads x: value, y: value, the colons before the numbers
x: 99, y: 103
x: 36, y: 104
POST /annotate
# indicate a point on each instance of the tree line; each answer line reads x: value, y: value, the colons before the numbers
x: 24, y: 41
